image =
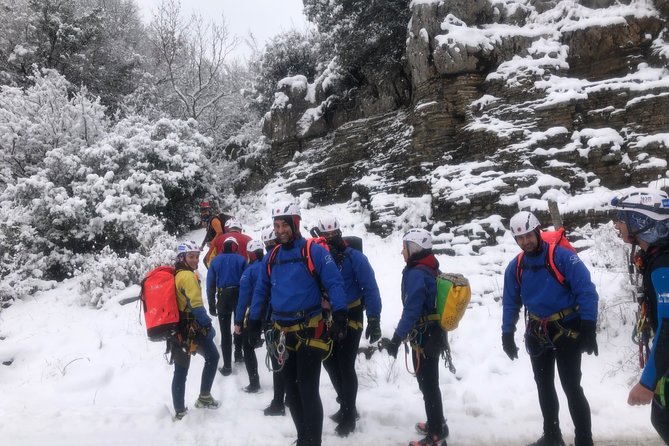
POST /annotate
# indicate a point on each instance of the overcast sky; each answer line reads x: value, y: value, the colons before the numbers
x: 264, y: 18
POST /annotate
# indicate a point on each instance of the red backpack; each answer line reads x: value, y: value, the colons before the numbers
x: 554, y: 239
x: 159, y: 300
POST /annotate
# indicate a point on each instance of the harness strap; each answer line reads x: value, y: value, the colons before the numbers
x: 355, y: 325
x: 555, y: 316
x: 433, y: 317
x: 354, y: 304
x: 312, y: 323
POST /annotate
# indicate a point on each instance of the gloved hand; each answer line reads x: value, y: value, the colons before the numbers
x: 509, y: 346
x: 394, y: 346
x: 373, y: 331
x: 253, y: 329
x: 339, y: 325
x: 588, y: 337
x: 212, y: 311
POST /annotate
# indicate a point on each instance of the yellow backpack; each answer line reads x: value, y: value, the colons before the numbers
x: 453, y: 296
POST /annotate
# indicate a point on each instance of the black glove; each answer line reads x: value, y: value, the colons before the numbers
x: 339, y: 323
x: 212, y: 310
x: 211, y: 299
x: 509, y: 346
x: 253, y: 330
x: 373, y: 331
x: 588, y: 337
x: 394, y: 345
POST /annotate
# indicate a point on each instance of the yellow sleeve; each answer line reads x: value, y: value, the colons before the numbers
x: 188, y: 290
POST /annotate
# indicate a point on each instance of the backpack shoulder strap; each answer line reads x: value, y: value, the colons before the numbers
x: 552, y: 267
x: 519, y: 267
x: 272, y: 258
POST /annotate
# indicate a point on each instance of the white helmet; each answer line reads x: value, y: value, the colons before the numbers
x: 328, y: 223
x: 254, y: 245
x: 285, y: 209
x: 523, y: 223
x: 652, y: 203
x: 421, y: 237
x: 268, y: 235
x: 186, y: 247
x: 233, y: 223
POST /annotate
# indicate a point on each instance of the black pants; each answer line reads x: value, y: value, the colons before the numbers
x: 302, y: 373
x: 341, y: 366
x: 427, y: 366
x: 659, y: 416
x: 566, y: 353
x: 226, y: 306
x: 250, y: 359
x: 279, y: 384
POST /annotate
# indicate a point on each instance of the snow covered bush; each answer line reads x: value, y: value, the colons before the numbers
x: 98, y: 195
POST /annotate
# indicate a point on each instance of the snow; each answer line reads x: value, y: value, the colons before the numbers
x: 81, y: 376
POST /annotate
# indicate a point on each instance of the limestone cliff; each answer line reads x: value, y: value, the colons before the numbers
x: 510, y: 102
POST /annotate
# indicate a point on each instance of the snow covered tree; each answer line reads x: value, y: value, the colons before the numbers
x: 369, y: 37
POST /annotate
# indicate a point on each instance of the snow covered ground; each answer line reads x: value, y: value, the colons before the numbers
x: 73, y: 375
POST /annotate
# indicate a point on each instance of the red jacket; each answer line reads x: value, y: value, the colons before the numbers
x: 217, y: 245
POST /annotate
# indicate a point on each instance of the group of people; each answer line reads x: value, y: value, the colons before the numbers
x: 308, y: 297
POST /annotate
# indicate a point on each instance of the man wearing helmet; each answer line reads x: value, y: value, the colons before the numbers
x: 560, y: 325
x: 294, y: 291
x: 223, y: 278
x: 192, y: 314
x: 362, y: 293
x: 642, y: 219
x: 233, y: 228
x: 419, y: 290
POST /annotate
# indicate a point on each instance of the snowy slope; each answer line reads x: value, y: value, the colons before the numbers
x: 84, y: 377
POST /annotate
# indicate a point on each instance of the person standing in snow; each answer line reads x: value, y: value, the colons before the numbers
x: 560, y: 326
x: 420, y: 324
x: 362, y: 293
x: 192, y: 318
x: 642, y: 219
x: 246, y: 285
x: 223, y: 278
x: 233, y: 228
x: 294, y: 291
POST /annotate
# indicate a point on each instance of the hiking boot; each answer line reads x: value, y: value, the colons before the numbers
x: 225, y: 371
x: 180, y: 414
x: 239, y: 356
x: 252, y: 388
x: 430, y: 440
x: 338, y: 416
x: 344, y: 428
x: 206, y: 402
x: 274, y: 410
x: 549, y: 440
x: 422, y: 428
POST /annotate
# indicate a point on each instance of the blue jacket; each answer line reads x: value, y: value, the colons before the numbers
x: 360, y: 282
x: 224, y: 271
x: 542, y: 294
x: 246, y: 286
x: 659, y: 277
x: 292, y: 288
x: 419, y: 297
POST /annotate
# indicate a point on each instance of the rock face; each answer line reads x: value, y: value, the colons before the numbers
x: 510, y: 103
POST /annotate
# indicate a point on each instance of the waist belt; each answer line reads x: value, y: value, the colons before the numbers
x: 555, y: 316
x: 434, y: 317
x: 312, y: 323
x: 354, y: 304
